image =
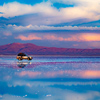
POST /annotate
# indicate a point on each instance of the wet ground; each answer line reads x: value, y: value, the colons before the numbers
x: 50, y: 78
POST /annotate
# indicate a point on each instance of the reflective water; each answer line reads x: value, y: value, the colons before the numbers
x: 50, y: 78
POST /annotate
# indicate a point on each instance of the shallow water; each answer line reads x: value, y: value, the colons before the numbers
x: 50, y: 78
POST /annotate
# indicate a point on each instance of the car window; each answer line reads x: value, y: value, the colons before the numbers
x: 21, y: 54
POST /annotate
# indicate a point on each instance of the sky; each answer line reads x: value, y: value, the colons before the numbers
x: 52, y: 23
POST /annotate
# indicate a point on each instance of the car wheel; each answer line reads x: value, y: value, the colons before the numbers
x: 29, y: 58
x: 20, y: 59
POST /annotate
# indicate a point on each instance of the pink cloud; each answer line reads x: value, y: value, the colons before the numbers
x: 90, y: 37
x: 29, y: 37
x: 84, y: 37
x: 76, y: 37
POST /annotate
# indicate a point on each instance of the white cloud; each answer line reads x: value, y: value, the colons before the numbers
x: 16, y: 9
x: 86, y: 10
x: 44, y: 27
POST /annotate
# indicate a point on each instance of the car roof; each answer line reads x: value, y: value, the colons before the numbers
x: 21, y: 54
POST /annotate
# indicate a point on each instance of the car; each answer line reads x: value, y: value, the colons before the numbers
x: 22, y: 56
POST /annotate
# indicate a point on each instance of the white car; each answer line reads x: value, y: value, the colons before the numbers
x: 22, y: 56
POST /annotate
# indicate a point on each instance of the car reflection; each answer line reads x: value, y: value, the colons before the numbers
x: 21, y: 64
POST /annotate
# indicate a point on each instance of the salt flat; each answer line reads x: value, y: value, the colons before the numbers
x: 50, y: 78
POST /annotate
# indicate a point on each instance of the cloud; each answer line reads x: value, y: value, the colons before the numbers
x: 16, y: 9
x: 29, y: 37
x: 77, y: 37
x: 44, y: 27
x: 84, y: 37
x: 51, y: 15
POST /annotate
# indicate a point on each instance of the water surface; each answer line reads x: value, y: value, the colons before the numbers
x: 50, y: 78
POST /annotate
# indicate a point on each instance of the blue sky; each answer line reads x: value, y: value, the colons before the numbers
x: 53, y: 23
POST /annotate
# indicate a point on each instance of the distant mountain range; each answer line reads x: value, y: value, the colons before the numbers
x: 32, y: 49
